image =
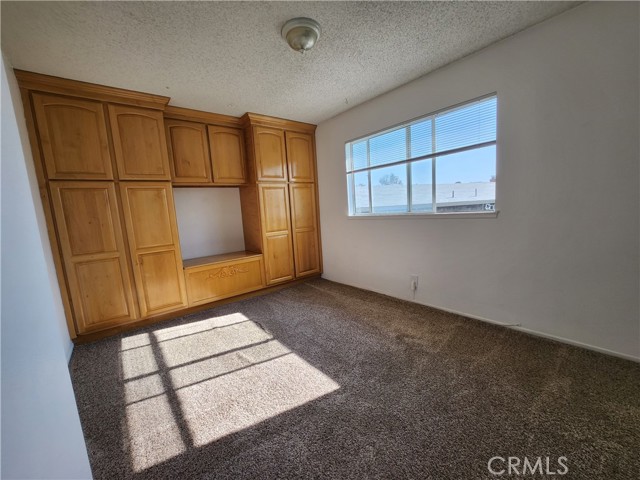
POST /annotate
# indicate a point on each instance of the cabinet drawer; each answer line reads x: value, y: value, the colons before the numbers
x: 208, y: 283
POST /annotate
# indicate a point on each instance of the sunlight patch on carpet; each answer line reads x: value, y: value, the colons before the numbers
x: 137, y: 362
x: 209, y: 343
x: 190, y: 385
x: 153, y: 433
x: 233, y: 402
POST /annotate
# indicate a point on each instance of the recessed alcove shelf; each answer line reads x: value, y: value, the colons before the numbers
x: 209, y: 221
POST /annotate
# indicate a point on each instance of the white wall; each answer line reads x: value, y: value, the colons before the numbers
x: 562, y: 258
x: 209, y: 221
x: 41, y: 433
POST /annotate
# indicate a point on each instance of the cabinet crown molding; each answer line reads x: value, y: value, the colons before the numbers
x: 250, y: 118
x: 190, y: 115
x: 75, y: 88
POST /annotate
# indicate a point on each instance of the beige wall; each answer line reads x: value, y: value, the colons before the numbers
x: 562, y: 258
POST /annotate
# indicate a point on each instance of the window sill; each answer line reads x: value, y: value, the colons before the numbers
x: 426, y: 215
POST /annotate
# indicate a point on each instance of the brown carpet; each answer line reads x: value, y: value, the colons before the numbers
x: 321, y: 380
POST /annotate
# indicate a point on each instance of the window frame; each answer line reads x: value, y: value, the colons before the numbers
x: 351, y: 172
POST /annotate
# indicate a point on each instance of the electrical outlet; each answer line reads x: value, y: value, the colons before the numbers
x: 414, y: 282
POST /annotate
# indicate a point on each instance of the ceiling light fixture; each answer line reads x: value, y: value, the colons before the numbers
x: 301, y: 33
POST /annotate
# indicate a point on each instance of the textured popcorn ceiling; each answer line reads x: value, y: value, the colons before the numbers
x: 228, y: 57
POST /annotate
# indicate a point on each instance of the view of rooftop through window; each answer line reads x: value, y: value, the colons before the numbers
x: 441, y: 163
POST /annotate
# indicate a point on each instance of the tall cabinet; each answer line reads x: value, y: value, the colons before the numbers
x: 155, y: 249
x: 103, y: 171
x: 95, y: 259
x: 283, y: 188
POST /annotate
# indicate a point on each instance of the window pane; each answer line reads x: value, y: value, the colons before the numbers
x: 350, y: 193
x: 466, y: 181
x: 359, y: 155
x: 389, y: 189
x: 421, y: 138
x: 466, y: 126
x: 421, y: 200
x: 361, y: 181
x: 389, y: 147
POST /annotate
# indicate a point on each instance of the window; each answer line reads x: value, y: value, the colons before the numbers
x: 441, y: 163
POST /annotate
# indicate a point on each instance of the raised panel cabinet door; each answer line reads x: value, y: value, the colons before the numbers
x: 95, y: 262
x: 139, y: 143
x: 276, y: 232
x: 300, y: 157
x: 162, y: 281
x: 227, y: 155
x: 279, y: 258
x: 304, y: 223
x: 188, y: 151
x: 152, y: 231
x: 270, y: 153
x: 73, y: 136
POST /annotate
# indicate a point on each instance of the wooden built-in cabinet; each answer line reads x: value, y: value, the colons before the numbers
x: 95, y: 260
x: 73, y: 137
x: 304, y: 225
x: 221, y: 276
x: 282, y: 161
x: 139, y: 143
x: 227, y: 155
x: 155, y: 248
x: 189, y: 152
x: 270, y: 154
x: 276, y: 232
x: 300, y: 157
x: 107, y: 161
x: 203, y: 153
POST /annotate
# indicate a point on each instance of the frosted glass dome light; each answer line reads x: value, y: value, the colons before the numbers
x: 301, y: 33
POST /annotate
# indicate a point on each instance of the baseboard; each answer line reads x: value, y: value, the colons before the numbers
x: 529, y: 331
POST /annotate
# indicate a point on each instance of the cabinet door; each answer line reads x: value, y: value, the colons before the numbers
x: 188, y: 151
x: 73, y: 135
x: 300, y: 157
x: 95, y: 262
x: 270, y: 154
x: 139, y: 143
x: 276, y: 232
x: 304, y: 224
x: 153, y: 238
x: 227, y: 155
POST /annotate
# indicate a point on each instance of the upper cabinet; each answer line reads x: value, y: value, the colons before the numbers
x: 205, y: 148
x: 139, y: 143
x: 270, y: 154
x: 188, y: 151
x: 73, y: 137
x: 280, y: 150
x: 227, y: 155
x: 300, y: 157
